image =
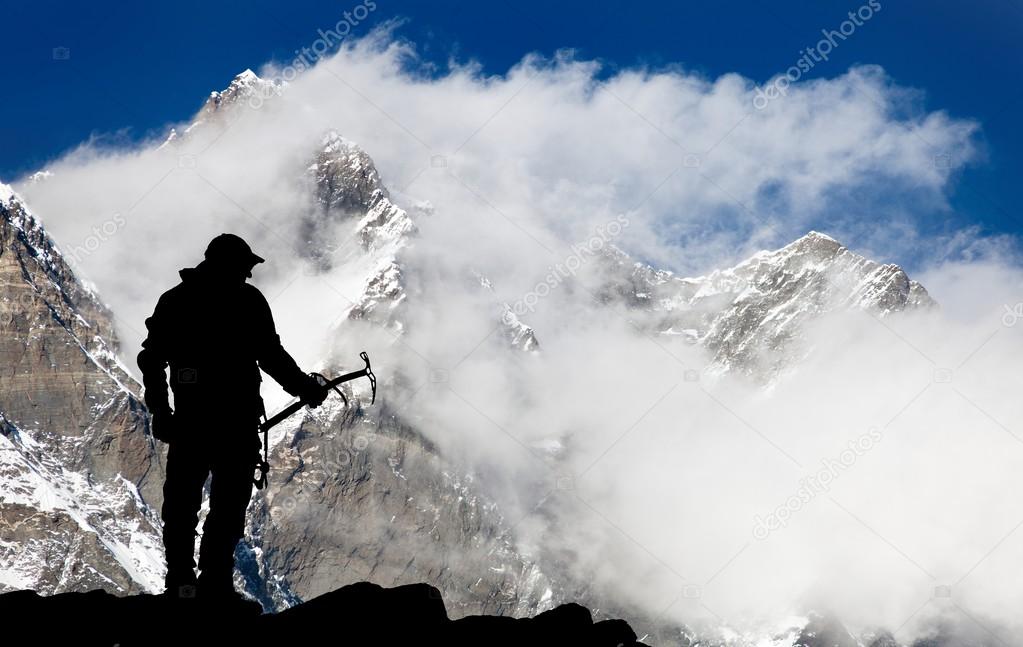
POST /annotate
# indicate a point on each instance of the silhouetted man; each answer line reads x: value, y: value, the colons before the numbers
x: 215, y: 332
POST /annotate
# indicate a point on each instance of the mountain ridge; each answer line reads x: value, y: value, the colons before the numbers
x: 81, y: 476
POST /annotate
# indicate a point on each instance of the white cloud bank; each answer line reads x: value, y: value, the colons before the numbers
x: 519, y: 167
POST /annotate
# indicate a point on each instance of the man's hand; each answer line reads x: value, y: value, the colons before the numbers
x: 313, y: 393
x: 163, y: 425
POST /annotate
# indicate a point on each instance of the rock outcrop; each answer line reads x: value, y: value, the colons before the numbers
x: 361, y: 613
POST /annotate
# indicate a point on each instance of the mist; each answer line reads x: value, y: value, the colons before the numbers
x: 601, y: 447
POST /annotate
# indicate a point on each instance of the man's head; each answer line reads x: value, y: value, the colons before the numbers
x: 231, y: 255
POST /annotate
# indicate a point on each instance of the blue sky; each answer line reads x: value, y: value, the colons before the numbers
x: 132, y: 68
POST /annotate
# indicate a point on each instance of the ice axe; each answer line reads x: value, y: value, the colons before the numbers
x: 264, y: 465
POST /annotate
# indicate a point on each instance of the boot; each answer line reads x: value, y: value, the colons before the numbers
x: 217, y: 586
x: 180, y: 583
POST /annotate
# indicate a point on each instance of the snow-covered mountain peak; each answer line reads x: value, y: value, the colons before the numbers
x: 246, y: 76
x: 334, y: 141
x: 247, y: 86
x: 346, y: 177
x: 6, y: 194
x: 40, y: 176
x: 814, y: 248
x: 752, y: 317
x: 813, y: 237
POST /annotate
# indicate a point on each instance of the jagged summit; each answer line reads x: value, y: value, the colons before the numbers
x: 246, y: 86
x: 346, y: 177
x: 841, y: 274
x: 816, y: 237
x: 6, y: 194
x: 246, y: 76
x: 40, y: 176
x: 751, y: 317
x: 812, y: 245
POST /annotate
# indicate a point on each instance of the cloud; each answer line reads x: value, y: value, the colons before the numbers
x: 656, y: 481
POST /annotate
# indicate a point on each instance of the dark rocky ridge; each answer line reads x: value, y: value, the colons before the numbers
x: 357, y: 614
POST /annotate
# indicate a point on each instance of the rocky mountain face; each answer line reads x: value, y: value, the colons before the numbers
x: 357, y: 493
x: 360, y: 496
x: 360, y: 493
x: 80, y: 476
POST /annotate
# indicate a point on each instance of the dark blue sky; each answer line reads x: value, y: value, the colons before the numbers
x: 131, y: 68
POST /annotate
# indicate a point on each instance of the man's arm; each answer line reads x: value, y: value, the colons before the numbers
x: 278, y: 363
x: 153, y: 359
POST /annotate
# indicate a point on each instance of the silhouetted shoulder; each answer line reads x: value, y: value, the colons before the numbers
x: 174, y: 294
x: 180, y: 292
x: 255, y: 300
x: 253, y: 292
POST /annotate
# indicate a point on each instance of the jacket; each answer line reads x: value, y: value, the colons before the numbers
x: 215, y: 335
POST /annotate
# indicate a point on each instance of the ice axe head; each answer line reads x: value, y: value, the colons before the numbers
x: 369, y: 374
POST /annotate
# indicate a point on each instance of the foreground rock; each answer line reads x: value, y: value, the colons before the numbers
x: 356, y: 614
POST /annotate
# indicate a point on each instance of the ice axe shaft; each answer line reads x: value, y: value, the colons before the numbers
x: 330, y: 384
x: 266, y: 425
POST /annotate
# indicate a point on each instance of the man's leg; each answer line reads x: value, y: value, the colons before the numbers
x: 182, y: 497
x: 230, y: 490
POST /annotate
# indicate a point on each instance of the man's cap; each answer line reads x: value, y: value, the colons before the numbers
x: 228, y: 248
